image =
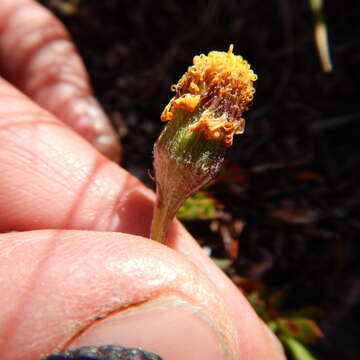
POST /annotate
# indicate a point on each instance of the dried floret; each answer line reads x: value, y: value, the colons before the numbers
x: 220, y: 85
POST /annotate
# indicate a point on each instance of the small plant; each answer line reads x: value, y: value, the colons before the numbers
x: 199, y: 206
x: 202, y: 118
x: 296, y: 329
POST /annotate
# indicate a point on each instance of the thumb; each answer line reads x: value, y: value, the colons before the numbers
x: 74, y: 288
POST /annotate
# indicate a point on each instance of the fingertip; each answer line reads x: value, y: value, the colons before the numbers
x: 169, y: 326
x: 123, y: 288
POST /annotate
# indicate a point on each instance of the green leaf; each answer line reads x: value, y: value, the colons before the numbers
x: 302, y: 329
x: 259, y: 305
x: 276, y: 299
x: 272, y: 325
x: 311, y: 312
x: 198, y: 207
x: 296, y: 349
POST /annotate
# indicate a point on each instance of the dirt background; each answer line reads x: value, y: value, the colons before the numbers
x: 299, y: 192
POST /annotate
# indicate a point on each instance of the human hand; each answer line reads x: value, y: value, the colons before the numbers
x: 93, y: 278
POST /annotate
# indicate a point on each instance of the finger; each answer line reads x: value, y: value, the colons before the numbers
x: 56, y: 179
x: 51, y: 178
x: 74, y: 288
x: 38, y: 56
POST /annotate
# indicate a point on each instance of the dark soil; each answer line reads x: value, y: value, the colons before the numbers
x: 300, y: 194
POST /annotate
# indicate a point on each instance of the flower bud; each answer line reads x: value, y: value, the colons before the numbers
x: 202, y: 118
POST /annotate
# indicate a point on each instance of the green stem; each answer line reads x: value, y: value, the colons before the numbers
x: 160, y: 223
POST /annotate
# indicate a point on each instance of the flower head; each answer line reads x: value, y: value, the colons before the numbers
x: 220, y: 85
x: 202, y: 119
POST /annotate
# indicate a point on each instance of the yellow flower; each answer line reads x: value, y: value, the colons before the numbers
x: 220, y: 87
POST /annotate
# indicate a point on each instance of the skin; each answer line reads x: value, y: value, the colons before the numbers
x: 69, y: 212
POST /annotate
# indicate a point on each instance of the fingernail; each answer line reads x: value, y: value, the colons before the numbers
x: 276, y: 349
x: 94, y: 125
x: 170, y: 327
